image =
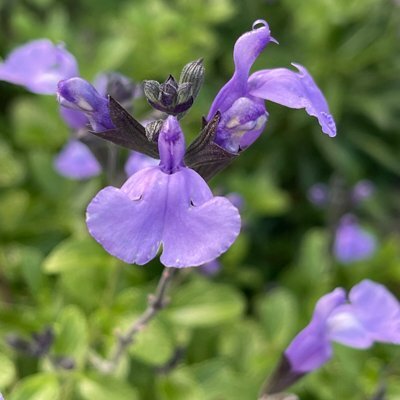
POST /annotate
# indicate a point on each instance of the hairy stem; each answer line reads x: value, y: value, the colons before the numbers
x: 156, y: 303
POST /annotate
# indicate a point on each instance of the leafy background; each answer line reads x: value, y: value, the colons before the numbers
x: 232, y: 327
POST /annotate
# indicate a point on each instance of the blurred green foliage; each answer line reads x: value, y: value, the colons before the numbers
x: 234, y: 326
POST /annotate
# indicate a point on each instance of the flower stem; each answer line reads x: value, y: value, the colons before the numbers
x: 156, y: 303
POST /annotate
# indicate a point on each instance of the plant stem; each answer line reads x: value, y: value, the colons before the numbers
x: 156, y: 303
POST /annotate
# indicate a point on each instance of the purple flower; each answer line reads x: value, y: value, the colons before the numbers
x: 210, y: 268
x: 75, y: 119
x: 318, y: 194
x: 38, y: 66
x: 362, y: 190
x: 138, y: 161
x: 352, y: 243
x: 311, y: 348
x: 241, y: 100
x: 168, y: 205
x: 78, y: 94
x: 371, y: 314
x: 76, y: 161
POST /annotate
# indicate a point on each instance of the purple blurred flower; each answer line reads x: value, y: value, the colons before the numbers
x: 318, y: 194
x: 76, y: 161
x: 138, y: 161
x: 352, y: 243
x: 168, y: 205
x: 362, y: 190
x: 241, y: 100
x: 38, y: 66
x: 371, y: 314
x: 210, y: 268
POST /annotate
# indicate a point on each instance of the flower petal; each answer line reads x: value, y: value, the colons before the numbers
x: 378, y: 310
x: 78, y: 94
x: 344, y: 327
x: 76, y: 161
x: 153, y: 207
x: 75, y: 119
x: 137, y: 161
x: 38, y: 65
x: 311, y: 348
x: 294, y: 90
x: 199, y: 232
x: 247, y: 49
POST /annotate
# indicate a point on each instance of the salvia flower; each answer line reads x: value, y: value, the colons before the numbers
x: 362, y: 190
x: 370, y: 314
x: 352, y: 242
x: 320, y: 194
x: 168, y: 205
x: 38, y: 66
x: 78, y: 94
x: 76, y: 161
x: 76, y: 97
x: 241, y: 100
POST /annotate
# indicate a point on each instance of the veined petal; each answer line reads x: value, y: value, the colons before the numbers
x: 153, y: 208
x: 294, y: 90
x: 38, y: 65
x: 378, y: 311
x: 247, y: 48
x: 76, y: 161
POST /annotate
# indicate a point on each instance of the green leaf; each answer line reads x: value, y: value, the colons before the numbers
x: 179, y: 385
x: 13, y: 205
x: 94, y: 387
x: 74, y: 253
x: 37, y: 123
x: 154, y: 344
x: 277, y: 311
x: 11, y: 169
x: 204, y: 303
x: 7, y: 371
x: 42, y: 386
x: 261, y: 194
x: 246, y: 345
x: 312, y: 270
x: 72, y: 334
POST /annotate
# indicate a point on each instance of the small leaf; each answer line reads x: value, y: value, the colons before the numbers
x: 203, y: 303
x: 154, y: 344
x: 72, y: 334
x: 42, y: 386
x: 7, y: 371
x: 92, y: 387
x: 278, y: 313
x: 75, y: 253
